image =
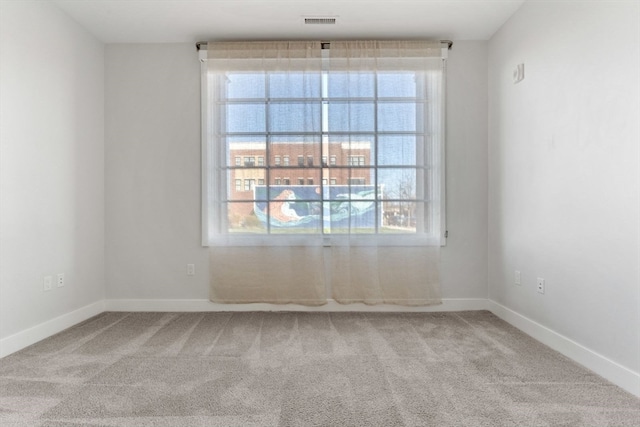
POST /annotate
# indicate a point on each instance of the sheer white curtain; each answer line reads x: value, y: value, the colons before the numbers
x: 259, y: 94
x: 403, y: 268
x: 322, y: 171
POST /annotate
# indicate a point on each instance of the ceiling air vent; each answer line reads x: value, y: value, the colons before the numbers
x: 320, y: 21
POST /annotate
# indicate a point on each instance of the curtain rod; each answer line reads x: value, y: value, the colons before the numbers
x: 203, y: 45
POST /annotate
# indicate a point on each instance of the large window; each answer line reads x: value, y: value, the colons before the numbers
x: 378, y: 133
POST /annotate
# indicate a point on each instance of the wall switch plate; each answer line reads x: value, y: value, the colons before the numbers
x: 517, y: 278
x: 60, y: 280
x: 518, y: 73
x: 540, y: 285
x: 47, y: 283
x: 191, y: 269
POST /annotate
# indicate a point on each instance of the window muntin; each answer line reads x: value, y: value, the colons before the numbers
x: 371, y: 135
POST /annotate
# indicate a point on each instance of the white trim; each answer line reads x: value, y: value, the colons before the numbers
x: 619, y: 375
x: 179, y: 305
x: 32, y: 335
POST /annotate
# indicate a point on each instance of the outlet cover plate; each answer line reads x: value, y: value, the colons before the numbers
x: 47, y: 283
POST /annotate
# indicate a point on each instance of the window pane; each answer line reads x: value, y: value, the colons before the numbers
x: 245, y: 85
x: 360, y: 176
x: 351, y: 85
x: 352, y: 150
x: 402, y: 211
x: 298, y: 187
x: 294, y: 117
x: 351, y: 117
x: 399, y: 184
x: 242, y: 183
x: 245, y: 118
x: 351, y: 207
x: 397, y: 85
x: 398, y: 117
x: 401, y: 217
x: 243, y: 151
x: 291, y: 147
x: 242, y: 218
x: 292, y: 209
x: 294, y: 85
x: 400, y: 150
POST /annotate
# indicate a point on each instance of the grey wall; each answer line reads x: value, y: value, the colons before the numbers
x: 153, y: 173
x: 51, y: 165
x: 564, y: 169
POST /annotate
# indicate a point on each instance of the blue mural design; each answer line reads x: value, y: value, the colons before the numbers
x: 302, y: 207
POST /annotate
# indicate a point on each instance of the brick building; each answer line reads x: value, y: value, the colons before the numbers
x: 294, y: 164
x: 297, y: 164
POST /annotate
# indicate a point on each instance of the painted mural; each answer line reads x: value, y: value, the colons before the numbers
x: 295, y: 207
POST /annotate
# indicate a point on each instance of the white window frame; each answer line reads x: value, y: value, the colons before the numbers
x: 393, y: 240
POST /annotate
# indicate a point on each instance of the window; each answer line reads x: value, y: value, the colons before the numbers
x: 249, y: 184
x: 238, y: 161
x: 356, y: 161
x: 377, y: 129
x: 238, y: 185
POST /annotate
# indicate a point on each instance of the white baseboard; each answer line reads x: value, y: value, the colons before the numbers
x: 612, y: 371
x: 450, y: 304
x: 25, y: 338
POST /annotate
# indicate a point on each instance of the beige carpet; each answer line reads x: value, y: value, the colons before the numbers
x: 302, y: 369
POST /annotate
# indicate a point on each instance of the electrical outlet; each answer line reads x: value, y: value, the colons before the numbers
x: 47, y: 283
x: 517, y: 278
x: 191, y: 269
x: 540, y: 285
x: 60, y: 280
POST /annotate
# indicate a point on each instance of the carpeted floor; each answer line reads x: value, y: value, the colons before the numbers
x: 302, y: 369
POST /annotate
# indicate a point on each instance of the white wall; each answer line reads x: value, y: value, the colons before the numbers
x: 564, y: 172
x: 153, y: 173
x: 51, y: 165
x: 464, y: 259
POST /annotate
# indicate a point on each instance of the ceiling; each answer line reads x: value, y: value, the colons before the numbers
x: 177, y: 21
